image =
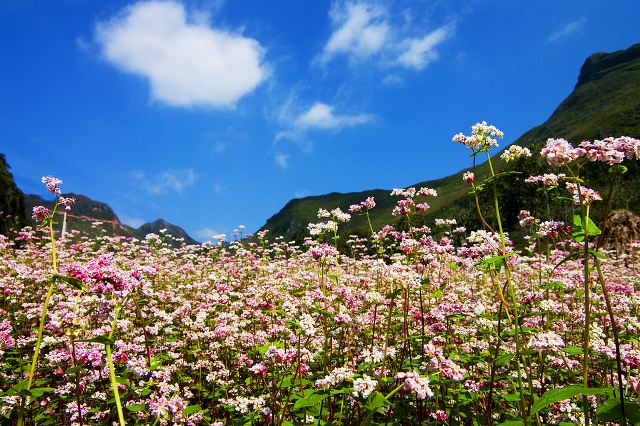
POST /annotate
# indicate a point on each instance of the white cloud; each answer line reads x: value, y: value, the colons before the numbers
x: 318, y: 116
x: 365, y: 31
x: 321, y: 116
x: 568, y: 30
x: 206, y: 234
x: 165, y: 181
x: 420, y: 51
x: 282, y: 160
x: 186, y: 63
x: 361, y: 30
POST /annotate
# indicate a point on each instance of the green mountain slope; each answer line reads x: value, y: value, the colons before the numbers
x: 94, y: 219
x: 605, y: 102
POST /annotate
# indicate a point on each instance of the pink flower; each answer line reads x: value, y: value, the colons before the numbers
x: 586, y: 195
x: 469, y: 177
x: 52, y: 184
x: 40, y: 213
x: 559, y: 152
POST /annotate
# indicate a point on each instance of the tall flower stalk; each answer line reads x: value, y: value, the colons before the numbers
x: 46, y: 217
x: 482, y: 138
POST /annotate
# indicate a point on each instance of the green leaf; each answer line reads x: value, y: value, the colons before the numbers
x: 632, y: 410
x: 137, y: 407
x: 37, y: 392
x: 502, y: 360
x: 553, y: 285
x: 393, y: 295
x: 310, y: 400
x: 572, y: 350
x: 579, y: 233
x: 192, y: 409
x: 123, y: 381
x: 560, y: 394
x: 376, y: 400
x: 609, y: 411
x: 98, y: 339
x: 618, y: 168
x: 73, y: 282
x: 510, y: 172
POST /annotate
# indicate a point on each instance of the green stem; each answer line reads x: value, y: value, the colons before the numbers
x: 584, y: 216
x: 512, y: 293
x: 616, y: 339
x: 367, y: 420
x: 112, y: 372
x: 43, y: 315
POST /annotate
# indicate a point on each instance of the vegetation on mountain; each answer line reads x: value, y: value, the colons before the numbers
x: 604, y: 103
x: 12, y: 214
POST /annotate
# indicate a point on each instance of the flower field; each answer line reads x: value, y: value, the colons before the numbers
x: 405, y: 329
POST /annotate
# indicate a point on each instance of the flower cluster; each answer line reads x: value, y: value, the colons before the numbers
x: 552, y: 229
x: 419, y: 385
x: 363, y: 386
x: 368, y: 204
x: 546, y: 341
x: 408, y: 205
x: 559, y: 152
x: 547, y: 179
x: 525, y: 218
x: 514, y: 152
x: 480, y: 136
x: 583, y: 195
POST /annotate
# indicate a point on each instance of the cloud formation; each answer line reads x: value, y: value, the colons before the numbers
x: 568, y: 30
x: 186, y: 62
x: 364, y: 31
x: 318, y: 116
x: 165, y: 181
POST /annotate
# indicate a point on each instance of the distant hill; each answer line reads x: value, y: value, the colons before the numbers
x: 94, y: 218
x: 605, y: 102
x: 12, y: 215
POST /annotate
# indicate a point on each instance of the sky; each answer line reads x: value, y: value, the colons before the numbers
x: 213, y: 114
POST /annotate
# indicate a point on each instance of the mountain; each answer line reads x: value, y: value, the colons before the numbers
x: 94, y: 218
x: 605, y: 102
x: 12, y: 215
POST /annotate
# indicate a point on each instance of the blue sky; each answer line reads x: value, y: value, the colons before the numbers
x: 214, y: 114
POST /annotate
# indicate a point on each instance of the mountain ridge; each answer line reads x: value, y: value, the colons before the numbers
x: 605, y: 102
x: 91, y: 217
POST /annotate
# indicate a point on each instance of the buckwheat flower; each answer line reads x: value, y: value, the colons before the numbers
x: 559, y: 152
x: 514, y: 152
x: 423, y: 207
x: 547, y: 179
x: 546, y: 341
x: 364, y: 386
x: 413, y: 382
x: 605, y: 150
x: 339, y: 215
x: 52, y: 184
x: 425, y: 192
x: 67, y: 202
x: 354, y: 208
x: 586, y: 195
x: 40, y: 213
x: 525, y: 218
x: 480, y: 136
x: 369, y: 203
x: 630, y: 147
x: 551, y: 229
x: 323, y: 213
x: 439, y: 415
x: 469, y: 177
